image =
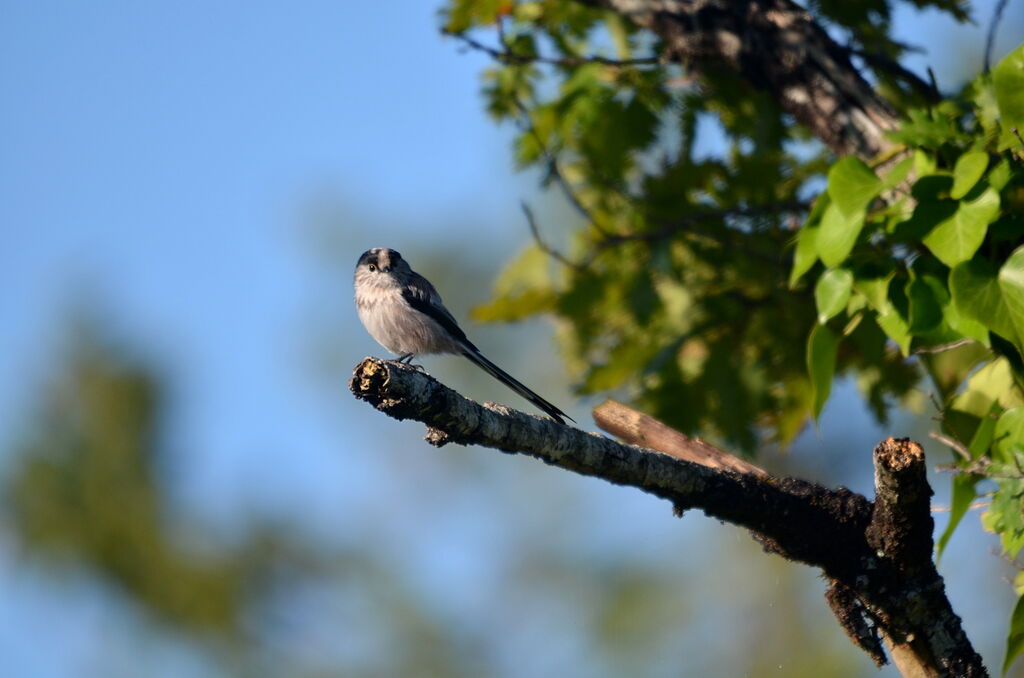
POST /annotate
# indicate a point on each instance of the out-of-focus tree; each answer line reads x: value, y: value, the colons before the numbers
x: 90, y: 490
x: 859, y: 221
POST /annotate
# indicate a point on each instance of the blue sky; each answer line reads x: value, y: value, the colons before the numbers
x: 162, y: 161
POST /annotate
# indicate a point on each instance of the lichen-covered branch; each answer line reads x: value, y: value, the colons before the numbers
x: 875, y: 554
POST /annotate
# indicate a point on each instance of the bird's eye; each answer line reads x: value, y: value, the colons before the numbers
x: 372, y: 267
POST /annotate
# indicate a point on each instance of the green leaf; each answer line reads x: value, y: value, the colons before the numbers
x: 1015, y: 639
x: 1005, y: 515
x: 806, y: 253
x: 961, y: 497
x: 874, y: 284
x: 1008, y: 81
x: 924, y: 163
x: 991, y: 385
x: 898, y: 173
x: 822, y: 347
x: 895, y: 327
x: 969, y: 168
x: 1011, y: 284
x: 837, y: 235
x: 852, y: 185
x: 977, y: 294
x: 966, y: 326
x: 958, y: 237
x: 1009, y: 435
x: 523, y: 289
x: 925, y: 312
x: 832, y: 292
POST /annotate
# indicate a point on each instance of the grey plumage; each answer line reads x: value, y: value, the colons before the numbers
x: 404, y: 313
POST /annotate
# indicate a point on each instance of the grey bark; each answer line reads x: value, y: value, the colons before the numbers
x: 875, y: 554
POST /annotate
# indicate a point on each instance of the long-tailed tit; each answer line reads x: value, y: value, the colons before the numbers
x: 404, y: 313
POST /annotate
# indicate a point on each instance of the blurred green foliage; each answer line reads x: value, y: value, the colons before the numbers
x: 90, y: 489
x: 723, y: 293
x: 85, y: 489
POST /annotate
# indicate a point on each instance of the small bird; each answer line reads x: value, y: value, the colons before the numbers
x: 404, y: 313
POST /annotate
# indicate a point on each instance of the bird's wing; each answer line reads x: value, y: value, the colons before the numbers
x: 422, y: 296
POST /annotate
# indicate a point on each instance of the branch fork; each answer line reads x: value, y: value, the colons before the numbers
x: 876, y: 555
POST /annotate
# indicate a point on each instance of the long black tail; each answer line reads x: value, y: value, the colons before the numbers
x: 505, y: 378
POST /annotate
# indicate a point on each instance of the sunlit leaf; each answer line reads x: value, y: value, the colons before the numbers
x: 1011, y: 285
x: 852, y: 186
x: 968, y: 169
x: 958, y: 237
x: 832, y: 293
x: 1008, y: 81
x: 837, y: 235
x: 806, y: 253
x: 1009, y: 435
x: 1005, y: 515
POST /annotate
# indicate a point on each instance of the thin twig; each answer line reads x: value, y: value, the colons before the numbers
x: 544, y: 247
x: 1016, y: 133
x: 945, y: 347
x: 951, y: 444
x: 554, y: 171
x: 881, y: 62
x: 687, y: 221
x: 990, y: 39
x: 980, y: 504
x: 507, y: 56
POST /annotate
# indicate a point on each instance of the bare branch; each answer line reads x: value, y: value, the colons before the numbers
x: 951, y: 444
x: 554, y: 171
x: 877, y: 555
x: 640, y: 429
x: 945, y: 347
x: 544, y: 247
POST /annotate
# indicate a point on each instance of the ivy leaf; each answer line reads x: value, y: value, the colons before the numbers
x: 822, y: 347
x: 968, y: 170
x: 837, y: 235
x: 977, y: 294
x: 1008, y: 81
x: 832, y: 292
x: 957, y: 238
x: 852, y: 185
x: 1011, y: 284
